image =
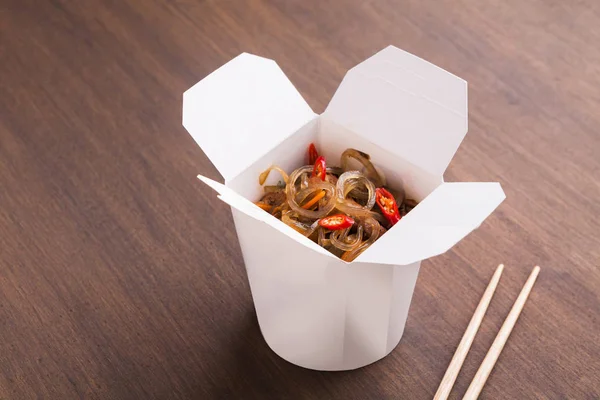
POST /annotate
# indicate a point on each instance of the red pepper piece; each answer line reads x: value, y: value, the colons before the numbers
x: 336, y: 222
x: 387, y: 204
x: 312, y: 154
x: 320, y: 168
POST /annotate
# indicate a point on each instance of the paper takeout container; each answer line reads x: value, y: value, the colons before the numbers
x: 315, y: 310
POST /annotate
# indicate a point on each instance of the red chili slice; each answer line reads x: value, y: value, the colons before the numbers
x: 336, y: 222
x: 387, y: 204
x: 320, y: 168
x: 312, y: 154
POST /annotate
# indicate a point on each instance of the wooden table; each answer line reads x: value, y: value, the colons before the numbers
x: 121, y: 276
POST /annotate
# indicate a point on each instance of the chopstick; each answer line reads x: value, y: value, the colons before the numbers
x: 465, y: 343
x: 494, y: 352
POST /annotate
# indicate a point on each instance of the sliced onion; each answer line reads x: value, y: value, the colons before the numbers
x: 365, y: 160
x: 265, y: 174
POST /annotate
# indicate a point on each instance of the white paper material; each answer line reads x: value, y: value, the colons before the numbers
x: 317, y: 311
x: 405, y: 105
x: 314, y: 309
x: 436, y: 224
x: 249, y: 209
x: 241, y: 111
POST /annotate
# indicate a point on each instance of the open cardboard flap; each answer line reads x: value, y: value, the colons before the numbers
x: 436, y: 224
x: 418, y: 116
x: 241, y: 111
x: 248, y: 208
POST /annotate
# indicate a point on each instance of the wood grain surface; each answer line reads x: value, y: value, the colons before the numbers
x: 121, y: 276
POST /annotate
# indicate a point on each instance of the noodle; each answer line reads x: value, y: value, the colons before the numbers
x: 344, y: 211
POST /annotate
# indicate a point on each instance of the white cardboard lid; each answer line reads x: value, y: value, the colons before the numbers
x: 241, y: 111
x: 406, y: 105
x: 436, y: 224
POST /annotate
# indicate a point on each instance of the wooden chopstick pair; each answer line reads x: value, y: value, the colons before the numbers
x: 497, y: 346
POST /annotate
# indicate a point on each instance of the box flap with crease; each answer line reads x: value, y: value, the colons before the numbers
x: 241, y: 111
x: 245, y: 206
x: 405, y: 105
x: 436, y: 224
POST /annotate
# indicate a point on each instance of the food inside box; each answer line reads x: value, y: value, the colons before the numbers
x: 344, y: 208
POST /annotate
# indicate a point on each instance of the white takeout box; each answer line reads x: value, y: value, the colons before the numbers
x: 314, y: 309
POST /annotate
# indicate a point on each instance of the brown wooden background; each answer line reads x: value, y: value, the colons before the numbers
x: 120, y: 274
